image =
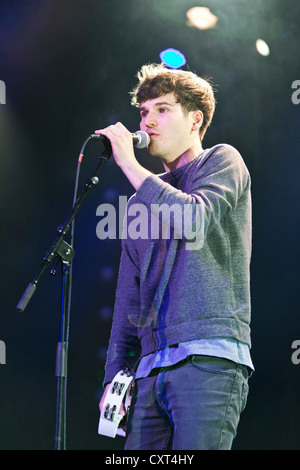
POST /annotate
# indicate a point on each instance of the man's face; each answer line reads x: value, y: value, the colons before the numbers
x: 169, y: 128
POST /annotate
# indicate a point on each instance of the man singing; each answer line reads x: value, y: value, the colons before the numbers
x: 183, y: 301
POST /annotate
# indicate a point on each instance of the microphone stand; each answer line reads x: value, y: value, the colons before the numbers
x: 65, y: 252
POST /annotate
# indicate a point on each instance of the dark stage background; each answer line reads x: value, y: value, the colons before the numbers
x: 68, y: 67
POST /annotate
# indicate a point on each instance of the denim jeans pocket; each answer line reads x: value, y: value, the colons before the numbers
x: 214, y: 365
x: 244, y: 395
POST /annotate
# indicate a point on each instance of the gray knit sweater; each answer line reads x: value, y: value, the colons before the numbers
x: 185, y: 265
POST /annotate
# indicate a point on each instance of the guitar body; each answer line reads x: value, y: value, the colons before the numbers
x: 120, y: 391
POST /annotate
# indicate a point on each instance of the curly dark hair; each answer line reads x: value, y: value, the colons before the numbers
x: 191, y: 91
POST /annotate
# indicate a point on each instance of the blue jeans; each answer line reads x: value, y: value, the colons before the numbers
x: 194, y: 405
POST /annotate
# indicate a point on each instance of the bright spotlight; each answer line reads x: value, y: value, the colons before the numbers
x: 262, y: 47
x: 172, y: 58
x: 201, y: 18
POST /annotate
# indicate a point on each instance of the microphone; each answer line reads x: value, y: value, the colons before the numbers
x: 140, y: 139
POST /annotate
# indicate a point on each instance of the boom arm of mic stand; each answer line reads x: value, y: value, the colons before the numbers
x: 60, y: 247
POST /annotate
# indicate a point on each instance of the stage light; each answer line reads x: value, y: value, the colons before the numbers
x: 105, y: 313
x: 107, y: 273
x: 262, y: 47
x: 201, y: 18
x: 102, y: 353
x: 172, y: 58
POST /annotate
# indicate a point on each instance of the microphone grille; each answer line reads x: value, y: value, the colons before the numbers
x: 144, y: 139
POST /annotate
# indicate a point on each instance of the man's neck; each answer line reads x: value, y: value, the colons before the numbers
x: 186, y: 157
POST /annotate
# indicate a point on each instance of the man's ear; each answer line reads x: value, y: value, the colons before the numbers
x: 197, y: 120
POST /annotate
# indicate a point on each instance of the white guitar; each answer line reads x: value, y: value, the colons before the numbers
x: 120, y: 391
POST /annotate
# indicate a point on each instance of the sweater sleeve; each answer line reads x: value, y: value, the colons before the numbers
x: 124, y: 343
x: 214, y: 190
